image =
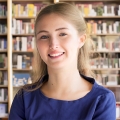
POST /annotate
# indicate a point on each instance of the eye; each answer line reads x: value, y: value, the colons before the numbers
x: 44, y: 37
x: 63, y: 34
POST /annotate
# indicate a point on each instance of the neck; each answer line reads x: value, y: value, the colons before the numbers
x: 64, y: 80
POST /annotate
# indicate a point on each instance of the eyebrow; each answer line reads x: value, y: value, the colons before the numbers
x: 47, y: 31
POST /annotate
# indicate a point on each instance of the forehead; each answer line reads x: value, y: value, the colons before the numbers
x: 53, y: 21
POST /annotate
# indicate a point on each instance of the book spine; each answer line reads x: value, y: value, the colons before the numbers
x: 17, y: 45
x: 19, y: 62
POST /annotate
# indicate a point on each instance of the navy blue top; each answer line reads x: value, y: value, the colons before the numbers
x: 98, y: 104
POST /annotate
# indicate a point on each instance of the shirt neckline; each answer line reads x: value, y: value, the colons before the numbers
x: 89, y: 79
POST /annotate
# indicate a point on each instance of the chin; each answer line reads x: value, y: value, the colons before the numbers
x: 56, y: 66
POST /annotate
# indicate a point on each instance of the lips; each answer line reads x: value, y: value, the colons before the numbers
x: 54, y: 55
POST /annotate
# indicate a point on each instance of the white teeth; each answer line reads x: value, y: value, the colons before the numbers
x: 54, y: 55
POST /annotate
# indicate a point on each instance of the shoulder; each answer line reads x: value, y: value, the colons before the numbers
x: 105, y: 103
x: 26, y: 97
x: 28, y: 91
x: 101, y: 93
x: 98, y: 90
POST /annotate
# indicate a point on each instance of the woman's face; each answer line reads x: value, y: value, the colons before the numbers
x: 58, y: 41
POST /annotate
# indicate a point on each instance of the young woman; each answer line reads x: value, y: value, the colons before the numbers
x: 61, y: 89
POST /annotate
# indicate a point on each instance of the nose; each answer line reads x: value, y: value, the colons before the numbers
x: 53, y: 44
x: 54, y: 47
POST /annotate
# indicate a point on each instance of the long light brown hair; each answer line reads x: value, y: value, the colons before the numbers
x: 74, y: 16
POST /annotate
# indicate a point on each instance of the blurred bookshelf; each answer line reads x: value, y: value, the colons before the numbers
x: 3, y: 60
x: 107, y: 42
x: 23, y: 39
x: 103, y: 21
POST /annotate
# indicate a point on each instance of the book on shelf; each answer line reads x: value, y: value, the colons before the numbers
x: 103, y: 27
x: 3, y: 10
x: 117, y: 110
x: 3, y: 28
x: 20, y: 27
x: 3, y: 44
x: 106, y: 78
x: 3, y: 61
x: 90, y: 9
x: 3, y: 94
x: 99, y: 9
x: 20, y: 79
x: 23, y: 43
x: 3, y: 78
x: 29, y: 10
x: 106, y: 43
x: 22, y: 61
x: 3, y: 110
x: 105, y: 61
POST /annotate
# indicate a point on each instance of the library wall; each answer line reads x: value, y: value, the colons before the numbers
x: 103, y: 21
x: 3, y: 60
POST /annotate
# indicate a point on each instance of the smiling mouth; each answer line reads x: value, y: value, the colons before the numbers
x: 55, y: 55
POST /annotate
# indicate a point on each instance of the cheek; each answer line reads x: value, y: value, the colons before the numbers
x: 73, y: 43
x: 42, y: 48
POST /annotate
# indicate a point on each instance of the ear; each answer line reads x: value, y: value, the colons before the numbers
x: 82, y: 40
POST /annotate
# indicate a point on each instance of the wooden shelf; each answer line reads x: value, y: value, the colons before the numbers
x: 4, y: 34
x: 105, y: 52
x: 3, y: 51
x: 32, y: 0
x: 3, y: 0
x: 3, y: 86
x: 108, y: 69
x: 23, y: 34
x: 101, y: 17
x: 86, y: 17
x: 117, y: 34
x: 3, y: 101
x: 118, y: 86
x: 24, y: 18
x: 20, y: 70
x: 22, y: 52
x: 89, y: 1
x: 1, y: 17
x: 3, y: 69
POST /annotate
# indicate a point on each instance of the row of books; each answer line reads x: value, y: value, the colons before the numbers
x: 102, y: 26
x: 23, y: 43
x: 3, y: 28
x: 29, y: 10
x: 108, y: 79
x: 3, y: 94
x: 22, y: 61
x: 20, y: 79
x: 3, y: 61
x: 3, y: 78
x: 101, y: 62
x: 3, y: 44
x: 3, y: 110
x: 99, y: 9
x: 94, y: 27
x: 20, y: 27
x: 117, y: 111
x: 3, y: 10
x: 106, y: 43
